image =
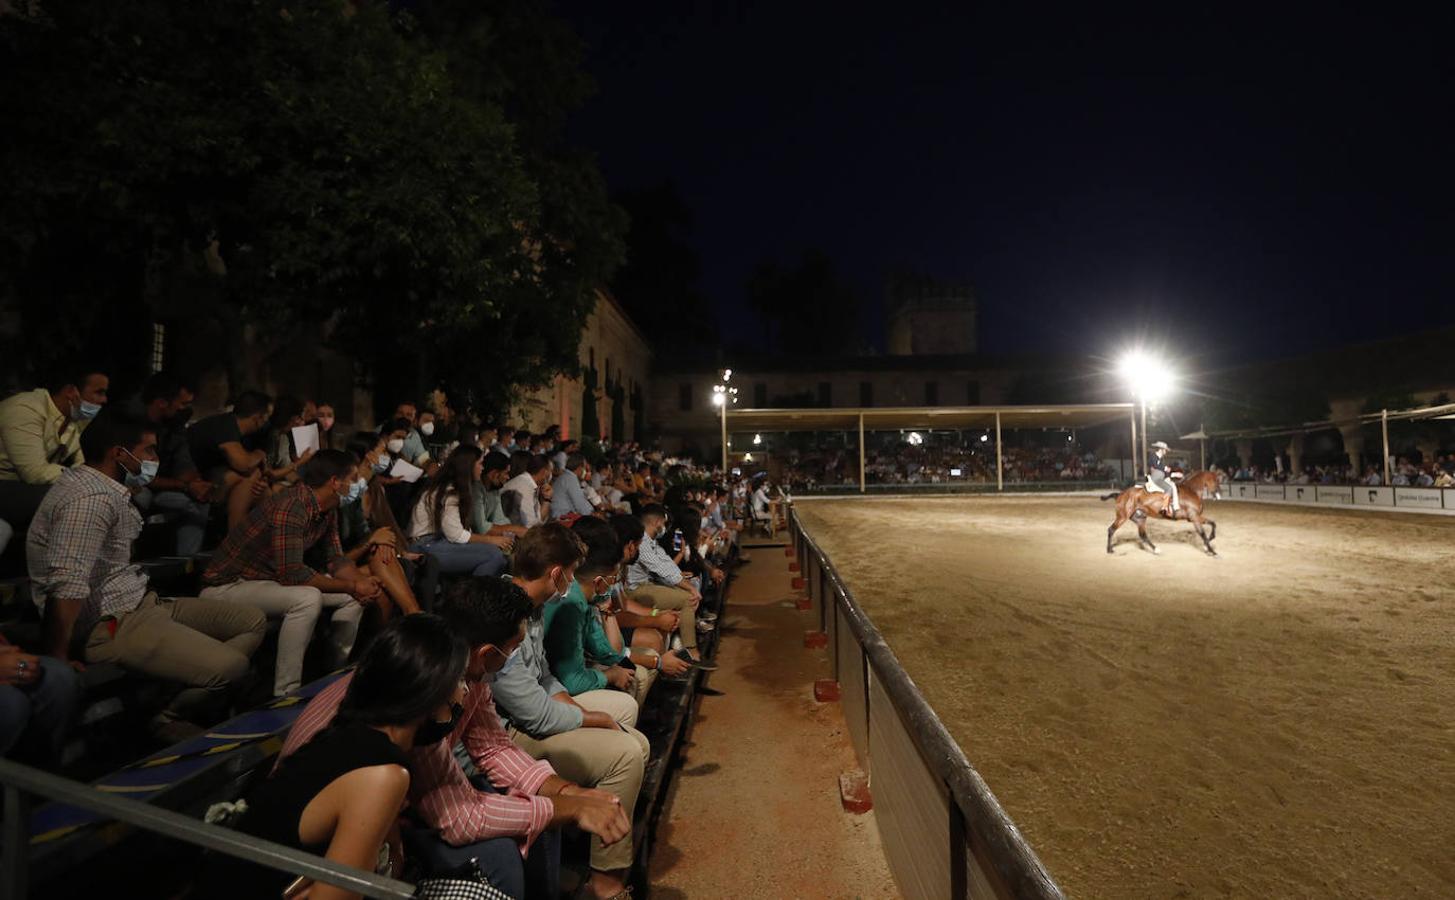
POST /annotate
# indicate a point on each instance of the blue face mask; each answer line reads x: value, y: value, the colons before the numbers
x: 356, y: 490
x: 143, y: 478
x: 381, y: 465
x: 85, y: 411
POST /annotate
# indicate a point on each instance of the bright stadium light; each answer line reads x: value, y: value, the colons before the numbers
x: 915, y: 438
x: 757, y: 440
x: 984, y: 438
x: 1150, y: 379
x: 718, y: 399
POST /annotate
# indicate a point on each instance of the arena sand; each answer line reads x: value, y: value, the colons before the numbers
x: 1276, y: 722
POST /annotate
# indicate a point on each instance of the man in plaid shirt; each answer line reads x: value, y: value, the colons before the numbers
x: 503, y: 818
x: 261, y: 564
x: 96, y: 602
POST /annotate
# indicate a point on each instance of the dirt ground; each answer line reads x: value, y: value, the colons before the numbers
x: 1276, y: 722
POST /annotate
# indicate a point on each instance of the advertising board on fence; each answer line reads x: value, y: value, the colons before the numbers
x: 1373, y: 496
x: 1300, y: 493
x: 1242, y: 491
x: 1336, y: 495
x: 1270, y: 492
x: 1418, y: 498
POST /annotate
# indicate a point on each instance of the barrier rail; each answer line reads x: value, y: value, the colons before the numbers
x: 21, y: 782
x: 1439, y: 501
x: 966, y: 487
x: 944, y: 833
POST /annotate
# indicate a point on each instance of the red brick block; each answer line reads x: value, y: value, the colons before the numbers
x: 815, y: 640
x: 798, y: 584
x: 804, y: 603
x: 854, y: 792
x: 794, y: 567
x: 826, y: 690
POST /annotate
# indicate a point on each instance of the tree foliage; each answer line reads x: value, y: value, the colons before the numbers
x: 806, y: 307
x: 344, y: 169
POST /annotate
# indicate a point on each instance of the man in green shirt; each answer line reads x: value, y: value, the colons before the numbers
x: 488, y: 517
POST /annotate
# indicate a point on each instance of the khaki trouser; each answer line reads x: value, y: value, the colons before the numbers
x: 642, y: 681
x: 661, y: 596
x: 204, y: 644
x: 606, y: 759
x: 300, y: 606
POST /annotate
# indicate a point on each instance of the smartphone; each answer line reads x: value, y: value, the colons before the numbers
x: 677, y: 540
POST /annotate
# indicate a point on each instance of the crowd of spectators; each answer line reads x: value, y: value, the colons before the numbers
x: 923, y: 463
x: 1439, y: 471
x: 509, y: 596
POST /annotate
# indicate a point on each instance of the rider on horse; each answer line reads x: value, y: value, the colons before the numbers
x: 1158, y: 474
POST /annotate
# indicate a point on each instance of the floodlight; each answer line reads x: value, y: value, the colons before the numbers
x: 915, y: 438
x: 1150, y: 378
x: 747, y: 457
x: 726, y: 374
x: 757, y: 439
x: 717, y: 399
x: 984, y: 438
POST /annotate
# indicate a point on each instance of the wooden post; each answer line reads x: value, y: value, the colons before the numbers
x: 724, y: 436
x: 1384, y: 427
x: 1132, y: 450
x: 862, y: 482
x: 999, y: 465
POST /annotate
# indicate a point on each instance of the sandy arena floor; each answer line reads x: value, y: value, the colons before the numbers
x: 1276, y: 722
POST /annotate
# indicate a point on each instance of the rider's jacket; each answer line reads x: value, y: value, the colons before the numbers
x: 1157, y: 465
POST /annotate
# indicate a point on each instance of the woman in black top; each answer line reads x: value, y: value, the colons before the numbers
x: 340, y: 794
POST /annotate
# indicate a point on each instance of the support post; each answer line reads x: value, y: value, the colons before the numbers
x: 862, y: 482
x: 1202, y: 446
x: 999, y: 465
x: 1384, y: 428
x: 1146, y: 451
x: 724, y: 436
x: 1132, y: 449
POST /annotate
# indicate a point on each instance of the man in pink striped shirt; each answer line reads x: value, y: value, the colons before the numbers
x: 495, y: 818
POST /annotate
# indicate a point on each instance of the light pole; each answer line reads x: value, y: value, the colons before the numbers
x: 1150, y: 380
x: 723, y: 396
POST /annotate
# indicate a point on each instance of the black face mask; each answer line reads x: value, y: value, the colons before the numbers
x: 182, y: 417
x: 433, y: 732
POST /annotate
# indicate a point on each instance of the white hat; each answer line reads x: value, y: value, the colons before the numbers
x: 1159, y: 445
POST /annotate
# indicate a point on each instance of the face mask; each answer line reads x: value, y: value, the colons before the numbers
x: 433, y: 732
x: 85, y: 411
x: 395, y: 445
x: 427, y: 429
x: 325, y: 422
x: 148, y: 471
x: 356, y: 490
x: 381, y: 465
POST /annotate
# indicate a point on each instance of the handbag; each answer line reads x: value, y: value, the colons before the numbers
x: 466, y: 882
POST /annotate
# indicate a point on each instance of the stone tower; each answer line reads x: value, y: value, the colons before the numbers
x: 929, y: 317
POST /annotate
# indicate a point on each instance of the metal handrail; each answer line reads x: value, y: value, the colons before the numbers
x: 1009, y: 853
x: 20, y: 782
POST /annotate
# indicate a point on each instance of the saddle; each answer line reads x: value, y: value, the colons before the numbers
x: 1152, y: 488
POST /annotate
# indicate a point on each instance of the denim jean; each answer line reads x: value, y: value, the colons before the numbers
x: 462, y: 559
x: 178, y: 507
x: 538, y: 875
x: 34, y: 719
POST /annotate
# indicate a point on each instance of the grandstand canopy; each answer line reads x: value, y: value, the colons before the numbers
x: 884, y: 418
x: 927, y: 417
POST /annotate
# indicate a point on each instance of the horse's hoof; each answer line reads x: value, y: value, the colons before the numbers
x: 1156, y: 552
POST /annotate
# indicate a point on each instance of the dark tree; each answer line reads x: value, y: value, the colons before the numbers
x: 805, y: 308
x: 658, y: 283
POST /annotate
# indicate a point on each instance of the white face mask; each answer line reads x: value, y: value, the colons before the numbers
x: 395, y: 445
x: 427, y: 429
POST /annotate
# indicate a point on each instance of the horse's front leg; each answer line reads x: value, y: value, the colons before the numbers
x: 1142, y: 534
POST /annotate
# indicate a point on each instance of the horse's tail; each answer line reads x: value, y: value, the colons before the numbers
x: 1111, y: 495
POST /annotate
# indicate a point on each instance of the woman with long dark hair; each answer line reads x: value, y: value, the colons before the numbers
x: 372, y: 538
x: 340, y: 795
x: 439, y: 523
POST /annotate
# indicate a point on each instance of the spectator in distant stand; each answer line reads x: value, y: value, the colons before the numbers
x: 439, y: 523
x: 527, y: 495
x: 179, y: 492
x: 217, y: 449
x: 1443, y: 480
x: 38, y: 696
x: 566, y: 494
x: 97, y: 606
x: 261, y: 565
x: 40, y: 437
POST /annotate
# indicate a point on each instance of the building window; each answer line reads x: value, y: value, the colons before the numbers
x: 932, y: 393
x: 825, y: 394
x: 972, y: 393
x: 159, y: 346
x: 760, y: 395
x: 684, y: 399
x: 866, y: 393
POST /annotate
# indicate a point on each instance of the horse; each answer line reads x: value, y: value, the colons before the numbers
x: 1137, y: 503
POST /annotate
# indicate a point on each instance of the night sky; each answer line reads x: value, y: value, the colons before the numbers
x: 1257, y: 187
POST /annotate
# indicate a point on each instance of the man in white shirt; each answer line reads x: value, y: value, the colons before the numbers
x: 527, y: 496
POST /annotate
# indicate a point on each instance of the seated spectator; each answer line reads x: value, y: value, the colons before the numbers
x: 566, y: 494
x: 626, y: 621
x: 563, y: 451
x: 236, y: 473
x: 40, y: 437
x: 97, y: 606
x: 413, y: 449
x: 510, y: 810
x: 1426, y: 478
x: 439, y: 523
x: 179, y: 492
x: 283, y: 459
x: 372, y: 540
x: 503, y: 443
x: 526, y: 497
x: 489, y: 515
x: 38, y: 697
x: 655, y: 581
x: 339, y: 794
x: 261, y: 565
x: 583, y: 741
x: 326, y: 421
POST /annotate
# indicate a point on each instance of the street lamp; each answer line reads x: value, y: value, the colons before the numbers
x: 723, y: 396
x: 1150, y: 380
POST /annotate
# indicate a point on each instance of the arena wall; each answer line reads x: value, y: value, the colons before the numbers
x: 944, y: 833
x: 1436, y: 501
